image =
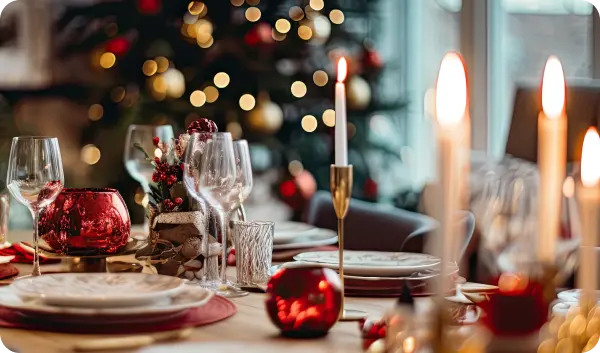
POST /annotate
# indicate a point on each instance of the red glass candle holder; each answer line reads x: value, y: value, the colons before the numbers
x: 84, y: 222
x: 304, y: 301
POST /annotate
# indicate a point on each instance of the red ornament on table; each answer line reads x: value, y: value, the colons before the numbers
x: 304, y: 301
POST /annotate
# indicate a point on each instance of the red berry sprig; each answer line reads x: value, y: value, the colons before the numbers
x: 156, y: 141
x: 371, y: 331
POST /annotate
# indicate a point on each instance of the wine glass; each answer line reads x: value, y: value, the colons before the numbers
x: 35, y: 178
x: 223, y: 189
x: 191, y: 175
x: 138, y: 167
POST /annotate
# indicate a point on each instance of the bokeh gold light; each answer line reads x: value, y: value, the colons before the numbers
x: 207, y: 44
x: 247, y: 102
x: 117, y: 94
x: 150, y: 67
x: 222, y: 80
x: 95, y: 112
x: 108, y: 60
x: 159, y: 84
x: 296, y: 13
x: 320, y: 78
x: 253, y: 14
x: 198, y: 98
x: 282, y: 25
x: 309, y: 123
x: 90, y: 154
x: 304, y: 32
x: 277, y: 36
x: 336, y: 16
x: 329, y: 117
x: 298, y: 89
x: 212, y: 94
x: 196, y: 7
x: 237, y: 2
x: 311, y: 13
x: 202, y: 31
x: 162, y: 64
x: 317, y: 4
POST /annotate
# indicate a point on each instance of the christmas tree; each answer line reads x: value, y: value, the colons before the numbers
x: 263, y: 70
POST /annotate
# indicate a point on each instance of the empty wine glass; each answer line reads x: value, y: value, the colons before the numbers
x: 138, y: 167
x: 223, y: 189
x: 191, y: 176
x: 35, y: 178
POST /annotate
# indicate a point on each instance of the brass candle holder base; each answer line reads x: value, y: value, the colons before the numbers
x: 341, y: 179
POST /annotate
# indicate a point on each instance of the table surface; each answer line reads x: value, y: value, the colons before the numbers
x: 249, y: 330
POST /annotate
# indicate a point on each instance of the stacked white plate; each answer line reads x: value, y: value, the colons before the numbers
x: 373, y: 273
x: 102, y: 298
x: 295, y: 235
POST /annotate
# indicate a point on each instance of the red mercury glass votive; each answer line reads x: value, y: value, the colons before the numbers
x: 304, y: 301
x: 85, y: 222
x: 519, y: 308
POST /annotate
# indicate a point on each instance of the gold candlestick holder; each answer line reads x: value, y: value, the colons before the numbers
x: 340, y: 181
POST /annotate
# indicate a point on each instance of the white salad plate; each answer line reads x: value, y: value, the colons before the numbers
x: 311, y: 238
x: 372, y: 263
x: 287, y: 232
x: 97, y: 290
x: 186, y: 298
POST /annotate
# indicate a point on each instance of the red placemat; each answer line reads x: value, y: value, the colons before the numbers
x: 217, y: 309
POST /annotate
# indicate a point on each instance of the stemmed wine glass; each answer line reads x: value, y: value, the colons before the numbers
x: 225, y: 181
x: 194, y: 154
x: 35, y: 178
x: 138, y: 167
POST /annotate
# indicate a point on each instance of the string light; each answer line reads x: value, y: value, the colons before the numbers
x: 304, y: 32
x: 237, y: 2
x: 95, y: 112
x: 253, y: 14
x: 336, y: 16
x: 211, y: 93
x: 222, y: 80
x: 162, y: 64
x: 117, y: 94
x: 309, y: 123
x: 282, y: 25
x: 277, y: 36
x: 108, y: 60
x: 320, y: 78
x: 90, y: 154
x: 296, y: 13
x: 196, y: 7
x: 197, y: 98
x: 150, y: 67
x: 247, y: 102
x: 317, y: 4
x: 329, y: 117
x: 299, y: 89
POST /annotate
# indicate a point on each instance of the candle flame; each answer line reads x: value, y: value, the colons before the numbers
x: 451, y: 91
x: 590, y: 169
x: 553, y: 89
x: 342, y: 71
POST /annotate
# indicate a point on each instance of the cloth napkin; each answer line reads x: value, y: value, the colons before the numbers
x: 23, y: 254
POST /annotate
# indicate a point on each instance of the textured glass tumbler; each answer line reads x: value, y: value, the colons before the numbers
x: 253, y: 243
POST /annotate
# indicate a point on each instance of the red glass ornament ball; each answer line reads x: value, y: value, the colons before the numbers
x: 118, y: 46
x: 304, y: 301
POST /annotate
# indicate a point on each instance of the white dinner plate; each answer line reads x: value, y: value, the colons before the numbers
x: 372, y: 263
x: 97, y: 289
x: 312, y: 238
x: 286, y: 232
x: 188, y: 297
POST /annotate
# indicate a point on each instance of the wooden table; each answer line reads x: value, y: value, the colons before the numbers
x: 248, y: 331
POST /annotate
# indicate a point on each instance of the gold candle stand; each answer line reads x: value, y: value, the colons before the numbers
x: 340, y: 181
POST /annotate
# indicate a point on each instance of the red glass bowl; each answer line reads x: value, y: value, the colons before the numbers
x: 304, y: 301
x: 84, y: 222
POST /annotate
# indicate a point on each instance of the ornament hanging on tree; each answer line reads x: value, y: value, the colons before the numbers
x: 266, y: 117
x: 297, y: 190
x: 118, y: 46
x: 149, y: 7
x: 359, y: 93
x: 370, y: 189
x: 371, y: 58
x: 260, y: 34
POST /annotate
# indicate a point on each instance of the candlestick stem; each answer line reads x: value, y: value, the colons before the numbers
x: 341, y: 179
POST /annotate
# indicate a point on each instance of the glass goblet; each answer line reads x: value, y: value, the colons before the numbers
x: 35, y: 178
